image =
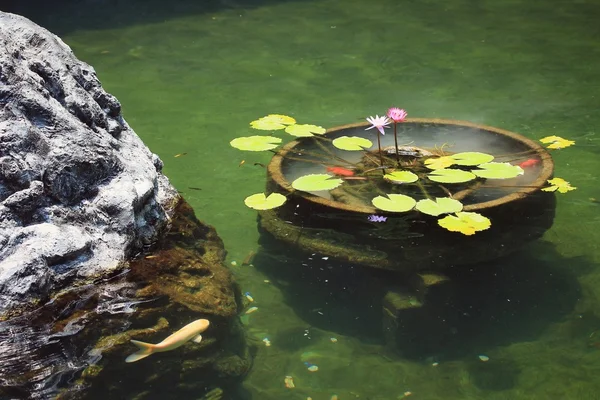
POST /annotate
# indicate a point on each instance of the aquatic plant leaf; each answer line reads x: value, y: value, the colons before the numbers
x: 556, y: 142
x: 272, y: 122
x: 394, y: 203
x: 305, y: 130
x: 315, y: 182
x: 352, y: 143
x: 466, y: 223
x: 446, y: 175
x: 401, y: 177
x: 439, y: 162
x: 259, y: 201
x: 471, y: 158
x: 560, y: 185
x: 496, y: 170
x: 255, y: 143
x: 441, y: 205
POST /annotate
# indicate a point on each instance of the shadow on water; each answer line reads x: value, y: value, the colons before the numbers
x: 480, y: 306
x: 64, y: 16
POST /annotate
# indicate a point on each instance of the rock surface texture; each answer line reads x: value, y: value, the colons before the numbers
x: 79, y: 191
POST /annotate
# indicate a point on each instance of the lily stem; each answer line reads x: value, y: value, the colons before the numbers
x: 396, y: 143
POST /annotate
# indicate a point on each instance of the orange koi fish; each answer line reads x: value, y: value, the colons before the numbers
x: 529, y: 163
x: 340, y: 171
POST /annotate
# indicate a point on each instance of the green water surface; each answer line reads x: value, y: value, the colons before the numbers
x: 192, y: 75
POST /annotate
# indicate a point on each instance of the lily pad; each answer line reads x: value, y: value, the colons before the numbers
x: 305, y: 130
x: 560, y: 185
x: 495, y: 170
x: 272, y: 122
x: 557, y: 142
x: 439, y: 162
x: 394, y: 203
x: 259, y: 201
x: 466, y: 223
x: 316, y: 182
x: 352, y: 143
x: 401, y: 177
x: 441, y: 205
x: 451, y: 176
x: 255, y: 143
x: 471, y: 158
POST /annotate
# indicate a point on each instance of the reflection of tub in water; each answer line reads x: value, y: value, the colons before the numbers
x: 453, y: 138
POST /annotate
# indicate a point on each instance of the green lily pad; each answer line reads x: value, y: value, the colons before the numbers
x: 439, y: 162
x: 315, y: 182
x: 466, y: 223
x: 259, y: 201
x: 441, y: 205
x: 305, y: 130
x: 496, y: 170
x: 352, y: 143
x: 394, y: 203
x: 255, y: 143
x: 471, y: 158
x: 451, y: 176
x: 401, y: 177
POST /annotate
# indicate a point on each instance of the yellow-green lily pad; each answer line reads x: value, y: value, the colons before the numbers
x: 255, y: 143
x: 441, y: 205
x: 495, y: 170
x: 259, y: 201
x: 272, y: 122
x: 401, y: 177
x: 447, y: 175
x: 471, y: 158
x: 466, y: 223
x: 394, y: 203
x: 304, y: 130
x: 316, y: 182
x: 352, y: 143
x: 439, y: 162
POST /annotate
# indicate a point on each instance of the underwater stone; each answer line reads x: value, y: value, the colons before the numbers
x: 79, y: 191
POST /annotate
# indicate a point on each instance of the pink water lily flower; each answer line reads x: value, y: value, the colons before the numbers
x: 379, y: 122
x: 397, y: 114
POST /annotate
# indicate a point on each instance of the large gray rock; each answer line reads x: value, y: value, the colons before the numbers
x: 79, y: 191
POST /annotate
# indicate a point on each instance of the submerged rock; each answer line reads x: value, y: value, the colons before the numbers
x: 96, y: 246
x: 79, y: 191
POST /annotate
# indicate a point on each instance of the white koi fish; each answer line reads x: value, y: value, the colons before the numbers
x: 189, y: 332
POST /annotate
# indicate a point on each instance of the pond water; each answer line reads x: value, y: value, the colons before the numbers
x: 191, y: 75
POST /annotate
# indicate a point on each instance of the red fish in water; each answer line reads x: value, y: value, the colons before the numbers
x: 529, y: 163
x: 340, y: 171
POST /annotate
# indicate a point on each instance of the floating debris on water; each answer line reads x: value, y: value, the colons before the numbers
x: 267, y: 342
x: 484, y: 358
x: 333, y: 340
x: 289, y: 382
x: 313, y: 368
x: 215, y: 394
x: 234, y: 263
x: 335, y: 397
x: 249, y: 297
x: 251, y: 310
x: 180, y: 155
x: 267, y: 281
x: 405, y: 395
x: 435, y: 364
x: 249, y: 258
